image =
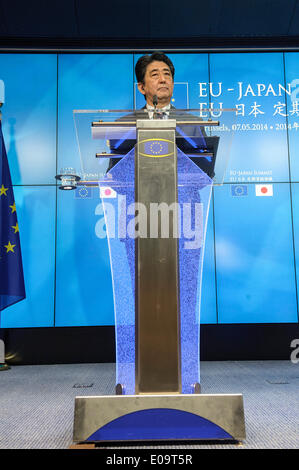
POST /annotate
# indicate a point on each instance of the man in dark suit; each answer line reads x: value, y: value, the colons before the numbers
x: 155, y: 80
x: 155, y: 77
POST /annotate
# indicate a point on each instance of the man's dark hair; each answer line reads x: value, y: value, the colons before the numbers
x: 145, y: 60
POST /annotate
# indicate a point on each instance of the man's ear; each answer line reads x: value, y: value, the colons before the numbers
x: 140, y: 86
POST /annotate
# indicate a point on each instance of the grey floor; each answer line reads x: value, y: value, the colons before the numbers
x: 37, y: 402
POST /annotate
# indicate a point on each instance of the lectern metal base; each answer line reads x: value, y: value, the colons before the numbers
x: 159, y: 417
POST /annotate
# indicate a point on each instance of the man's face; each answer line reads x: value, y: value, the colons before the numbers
x: 157, y: 81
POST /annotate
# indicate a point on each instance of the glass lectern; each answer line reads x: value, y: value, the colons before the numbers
x: 155, y: 175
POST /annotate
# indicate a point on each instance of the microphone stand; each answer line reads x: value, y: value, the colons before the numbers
x: 155, y: 102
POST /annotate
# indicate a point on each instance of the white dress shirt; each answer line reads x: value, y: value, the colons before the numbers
x: 163, y: 112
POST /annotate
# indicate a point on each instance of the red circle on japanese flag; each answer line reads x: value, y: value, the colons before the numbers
x: 107, y: 192
x: 264, y: 190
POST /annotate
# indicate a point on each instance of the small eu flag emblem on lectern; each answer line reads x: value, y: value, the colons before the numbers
x: 156, y: 148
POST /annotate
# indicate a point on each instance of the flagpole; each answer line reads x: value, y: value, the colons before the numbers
x: 3, y: 365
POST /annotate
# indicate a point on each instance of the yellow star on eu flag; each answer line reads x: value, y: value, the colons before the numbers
x: 13, y: 208
x: 9, y: 247
x: 3, y: 190
x: 16, y: 227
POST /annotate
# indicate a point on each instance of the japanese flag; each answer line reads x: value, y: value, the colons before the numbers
x: 106, y: 192
x: 264, y: 190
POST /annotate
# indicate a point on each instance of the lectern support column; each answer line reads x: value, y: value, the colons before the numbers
x: 157, y: 289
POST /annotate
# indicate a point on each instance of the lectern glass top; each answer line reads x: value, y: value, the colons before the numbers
x: 205, y: 135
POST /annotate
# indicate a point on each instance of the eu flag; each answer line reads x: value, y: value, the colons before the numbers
x: 157, y: 148
x: 12, y: 287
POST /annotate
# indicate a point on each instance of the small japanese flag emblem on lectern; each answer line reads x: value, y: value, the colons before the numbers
x: 107, y: 192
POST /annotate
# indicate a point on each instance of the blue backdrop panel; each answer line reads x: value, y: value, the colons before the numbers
x: 295, y: 209
x: 36, y: 216
x: 29, y: 116
x: 292, y: 77
x: 254, y: 256
x: 254, y: 241
x: 254, y: 83
x: 208, y: 312
x: 83, y: 279
x: 89, y: 81
x: 84, y: 288
x: 190, y: 69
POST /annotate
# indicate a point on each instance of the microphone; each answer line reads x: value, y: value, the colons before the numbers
x: 155, y: 102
